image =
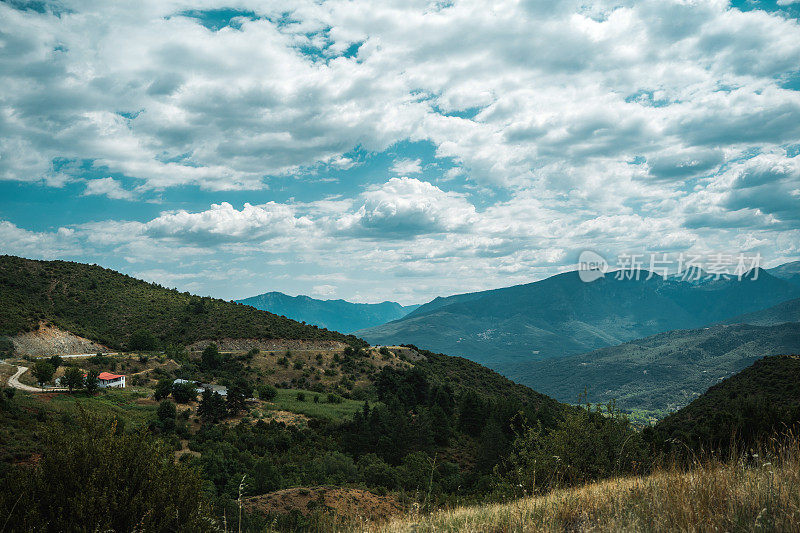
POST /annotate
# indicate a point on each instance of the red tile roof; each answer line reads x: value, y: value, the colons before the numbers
x: 105, y: 376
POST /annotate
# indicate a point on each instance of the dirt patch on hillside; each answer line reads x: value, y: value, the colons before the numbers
x: 50, y: 340
x: 408, y: 353
x: 290, y: 419
x: 243, y: 345
x: 344, y: 502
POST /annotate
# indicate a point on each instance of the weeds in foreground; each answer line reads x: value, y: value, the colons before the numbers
x: 752, y: 491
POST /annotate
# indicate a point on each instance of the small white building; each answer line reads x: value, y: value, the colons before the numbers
x: 108, y: 380
x: 201, y: 387
x: 219, y: 389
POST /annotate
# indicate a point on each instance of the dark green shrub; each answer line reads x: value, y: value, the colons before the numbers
x: 78, y: 484
x: 267, y: 392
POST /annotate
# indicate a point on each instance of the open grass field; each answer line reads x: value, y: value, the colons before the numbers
x: 126, y: 404
x: 22, y: 426
x: 286, y: 400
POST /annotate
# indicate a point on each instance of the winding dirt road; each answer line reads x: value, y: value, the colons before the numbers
x: 13, y: 381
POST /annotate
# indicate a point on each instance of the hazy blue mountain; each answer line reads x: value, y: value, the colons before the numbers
x: 336, y: 315
x: 787, y: 271
x: 788, y: 311
x: 562, y: 315
x: 661, y: 372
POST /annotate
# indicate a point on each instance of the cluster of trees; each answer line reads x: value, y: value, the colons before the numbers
x: 73, y: 378
x: 214, y: 408
x: 586, y: 445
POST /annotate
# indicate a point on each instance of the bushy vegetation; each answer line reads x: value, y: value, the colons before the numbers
x: 97, y: 477
x: 123, y: 312
x: 587, y: 445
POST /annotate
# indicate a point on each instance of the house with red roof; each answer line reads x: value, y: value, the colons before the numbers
x: 107, y: 379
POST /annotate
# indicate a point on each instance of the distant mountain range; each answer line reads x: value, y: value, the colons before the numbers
x: 562, y: 315
x: 788, y: 271
x: 335, y: 315
x: 659, y: 373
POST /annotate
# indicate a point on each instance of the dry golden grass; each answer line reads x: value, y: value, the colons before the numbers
x: 753, y: 493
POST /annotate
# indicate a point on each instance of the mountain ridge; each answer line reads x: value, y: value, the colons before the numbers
x: 662, y: 372
x: 337, y: 315
x: 562, y: 315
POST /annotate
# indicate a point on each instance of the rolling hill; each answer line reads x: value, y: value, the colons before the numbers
x: 659, y: 373
x: 108, y: 307
x: 336, y: 315
x: 761, y: 399
x: 562, y: 315
x: 788, y: 311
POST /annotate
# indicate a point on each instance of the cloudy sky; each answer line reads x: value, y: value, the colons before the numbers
x: 394, y: 150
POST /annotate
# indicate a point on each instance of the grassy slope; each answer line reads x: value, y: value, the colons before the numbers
x: 661, y: 372
x: 286, y: 400
x: 733, y: 496
x: 107, y: 307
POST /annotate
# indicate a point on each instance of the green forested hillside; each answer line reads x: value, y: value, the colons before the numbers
x: 109, y: 307
x: 337, y: 315
x: 562, y: 315
x: 662, y: 372
x: 788, y: 311
x: 463, y: 376
x: 760, y: 399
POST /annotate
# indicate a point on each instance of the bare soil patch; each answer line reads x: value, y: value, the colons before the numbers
x: 344, y: 502
x: 50, y: 340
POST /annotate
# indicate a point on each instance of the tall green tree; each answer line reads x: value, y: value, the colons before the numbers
x: 73, y: 378
x: 163, y: 388
x: 211, y: 358
x: 238, y: 392
x: 184, y: 392
x: 212, y: 407
x: 166, y: 414
x: 43, y: 372
x: 92, y: 383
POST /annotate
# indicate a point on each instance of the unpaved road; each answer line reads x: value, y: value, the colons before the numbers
x: 13, y: 381
x: 70, y: 356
